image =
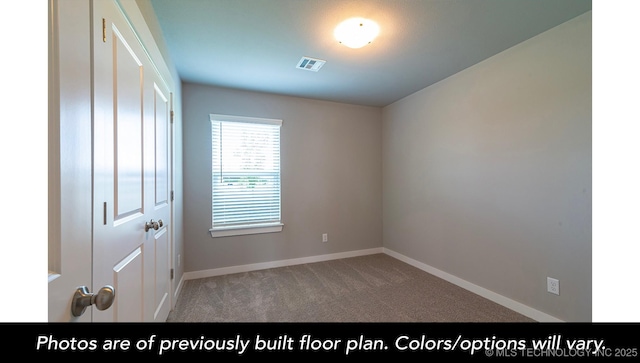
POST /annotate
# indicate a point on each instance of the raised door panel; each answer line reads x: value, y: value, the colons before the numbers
x: 127, y: 274
x: 122, y: 184
x: 128, y: 123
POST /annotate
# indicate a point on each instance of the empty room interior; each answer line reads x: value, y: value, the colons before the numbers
x: 438, y: 171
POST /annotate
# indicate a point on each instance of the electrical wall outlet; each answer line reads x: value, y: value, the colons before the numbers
x: 553, y: 286
x: 325, y: 238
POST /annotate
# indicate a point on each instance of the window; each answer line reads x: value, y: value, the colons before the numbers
x: 245, y: 175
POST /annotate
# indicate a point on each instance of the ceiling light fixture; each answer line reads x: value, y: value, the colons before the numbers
x: 356, y: 32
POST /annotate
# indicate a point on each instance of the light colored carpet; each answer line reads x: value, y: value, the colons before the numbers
x: 374, y: 288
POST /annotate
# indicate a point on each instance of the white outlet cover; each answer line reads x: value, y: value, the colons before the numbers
x: 553, y: 286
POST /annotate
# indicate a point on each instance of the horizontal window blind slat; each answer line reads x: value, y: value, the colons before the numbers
x: 264, y: 219
x: 257, y: 183
x: 249, y: 214
x: 239, y: 200
x: 238, y: 190
x: 247, y: 209
x: 245, y: 225
x: 245, y: 219
x: 264, y: 215
x: 239, y: 197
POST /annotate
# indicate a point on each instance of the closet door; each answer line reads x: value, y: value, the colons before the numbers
x: 131, y: 173
x: 158, y: 258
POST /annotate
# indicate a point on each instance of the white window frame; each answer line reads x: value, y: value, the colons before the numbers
x: 256, y: 228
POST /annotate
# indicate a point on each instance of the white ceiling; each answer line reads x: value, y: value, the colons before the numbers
x: 256, y: 44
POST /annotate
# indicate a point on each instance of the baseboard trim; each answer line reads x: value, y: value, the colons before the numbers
x: 281, y: 263
x: 176, y: 292
x: 488, y: 294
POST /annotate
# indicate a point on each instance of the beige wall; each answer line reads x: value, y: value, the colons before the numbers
x: 487, y: 174
x: 331, y: 178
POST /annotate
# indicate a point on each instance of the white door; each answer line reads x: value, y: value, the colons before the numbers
x: 116, y: 117
x: 131, y: 244
x: 70, y: 161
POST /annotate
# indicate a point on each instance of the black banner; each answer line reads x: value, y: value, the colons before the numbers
x: 336, y: 341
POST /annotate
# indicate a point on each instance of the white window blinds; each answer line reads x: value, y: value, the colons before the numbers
x: 245, y: 173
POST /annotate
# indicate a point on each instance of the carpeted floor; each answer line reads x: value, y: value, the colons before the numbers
x: 374, y: 288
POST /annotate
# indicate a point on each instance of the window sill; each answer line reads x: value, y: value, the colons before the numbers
x: 243, y: 230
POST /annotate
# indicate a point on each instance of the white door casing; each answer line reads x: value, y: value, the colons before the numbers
x: 130, y: 150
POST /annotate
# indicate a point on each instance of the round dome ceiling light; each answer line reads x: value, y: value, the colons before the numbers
x: 356, y: 32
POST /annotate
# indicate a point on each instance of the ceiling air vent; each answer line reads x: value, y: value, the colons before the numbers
x: 310, y: 64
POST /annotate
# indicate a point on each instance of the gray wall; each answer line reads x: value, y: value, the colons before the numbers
x: 331, y: 178
x: 487, y: 174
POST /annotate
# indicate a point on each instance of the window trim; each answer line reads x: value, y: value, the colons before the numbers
x: 247, y: 229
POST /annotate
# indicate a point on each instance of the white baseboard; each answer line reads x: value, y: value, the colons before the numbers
x: 487, y: 294
x: 280, y: 263
x: 176, y: 292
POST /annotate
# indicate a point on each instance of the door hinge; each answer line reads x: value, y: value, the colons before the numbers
x: 104, y: 30
x: 171, y: 116
x: 172, y: 195
x: 171, y: 274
